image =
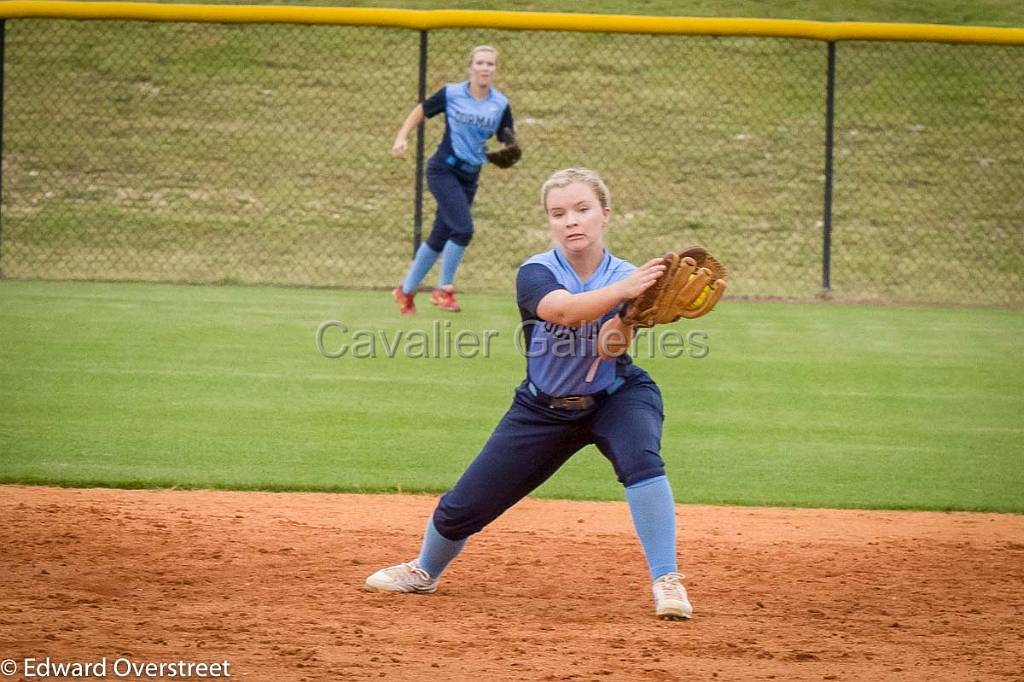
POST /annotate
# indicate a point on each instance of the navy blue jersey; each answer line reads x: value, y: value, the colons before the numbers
x: 469, y: 122
x: 559, y: 357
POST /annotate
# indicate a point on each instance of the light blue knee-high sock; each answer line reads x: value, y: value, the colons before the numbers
x: 421, y: 264
x: 450, y: 263
x: 654, y: 517
x: 437, y: 551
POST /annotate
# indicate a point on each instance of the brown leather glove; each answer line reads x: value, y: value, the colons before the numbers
x: 691, y: 285
x: 509, y: 156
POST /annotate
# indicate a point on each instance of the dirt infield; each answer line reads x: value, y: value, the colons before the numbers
x: 552, y: 591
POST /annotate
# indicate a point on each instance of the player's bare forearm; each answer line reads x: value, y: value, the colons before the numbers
x: 614, y: 338
x: 412, y: 120
x: 570, y: 310
x: 402, y: 137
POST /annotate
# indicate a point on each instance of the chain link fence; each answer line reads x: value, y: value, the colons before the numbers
x: 260, y: 154
x: 929, y: 173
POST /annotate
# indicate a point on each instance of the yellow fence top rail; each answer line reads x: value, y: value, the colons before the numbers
x: 524, y: 21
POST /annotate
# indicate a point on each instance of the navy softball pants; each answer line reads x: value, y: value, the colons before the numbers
x: 533, y: 440
x: 454, y: 191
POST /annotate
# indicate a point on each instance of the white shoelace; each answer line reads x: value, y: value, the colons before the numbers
x: 670, y: 585
x: 418, y: 571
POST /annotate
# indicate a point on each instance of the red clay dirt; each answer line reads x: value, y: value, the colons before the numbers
x: 272, y: 583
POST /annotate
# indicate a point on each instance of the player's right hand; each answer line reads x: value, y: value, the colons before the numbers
x: 642, y: 278
x: 398, y: 149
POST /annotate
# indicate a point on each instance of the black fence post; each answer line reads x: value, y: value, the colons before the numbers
x: 417, y: 221
x: 830, y: 101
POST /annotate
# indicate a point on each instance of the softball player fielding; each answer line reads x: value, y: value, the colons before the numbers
x: 474, y: 111
x: 564, y: 296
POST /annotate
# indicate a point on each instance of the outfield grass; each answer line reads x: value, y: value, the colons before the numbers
x: 259, y: 154
x: 130, y: 385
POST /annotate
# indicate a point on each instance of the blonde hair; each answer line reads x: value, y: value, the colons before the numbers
x: 482, y: 48
x: 568, y: 176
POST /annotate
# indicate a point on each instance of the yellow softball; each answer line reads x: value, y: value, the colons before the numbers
x: 699, y: 301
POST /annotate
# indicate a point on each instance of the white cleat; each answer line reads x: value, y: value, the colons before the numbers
x: 670, y: 602
x: 407, y: 577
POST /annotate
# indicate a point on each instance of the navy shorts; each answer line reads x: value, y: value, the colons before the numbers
x: 533, y: 441
x: 454, y: 191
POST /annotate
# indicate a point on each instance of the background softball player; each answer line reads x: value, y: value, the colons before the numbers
x: 564, y: 296
x: 474, y: 111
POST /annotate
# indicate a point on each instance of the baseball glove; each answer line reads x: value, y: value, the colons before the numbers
x: 507, y: 157
x: 689, y: 288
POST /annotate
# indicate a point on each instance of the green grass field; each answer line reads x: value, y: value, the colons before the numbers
x: 223, y: 387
